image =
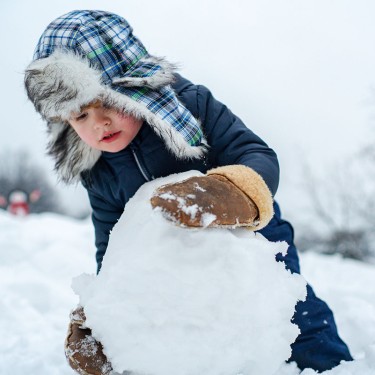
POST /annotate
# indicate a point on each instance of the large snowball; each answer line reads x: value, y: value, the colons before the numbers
x: 177, y: 301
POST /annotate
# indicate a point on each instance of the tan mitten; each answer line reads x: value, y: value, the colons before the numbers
x: 222, y: 198
x: 83, y: 352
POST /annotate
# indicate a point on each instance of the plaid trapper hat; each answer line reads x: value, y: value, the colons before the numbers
x: 88, y: 55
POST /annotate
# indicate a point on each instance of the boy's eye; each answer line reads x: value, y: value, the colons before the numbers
x: 81, y: 116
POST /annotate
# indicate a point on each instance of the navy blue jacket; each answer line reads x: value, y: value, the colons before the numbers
x: 117, y: 176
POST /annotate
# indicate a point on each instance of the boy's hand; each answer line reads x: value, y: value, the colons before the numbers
x: 207, y: 201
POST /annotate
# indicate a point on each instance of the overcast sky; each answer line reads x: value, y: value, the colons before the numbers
x: 300, y: 73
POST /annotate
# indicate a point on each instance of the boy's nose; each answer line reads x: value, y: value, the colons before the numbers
x: 102, y: 120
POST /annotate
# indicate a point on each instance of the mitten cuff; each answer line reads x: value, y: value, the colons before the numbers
x: 253, y: 185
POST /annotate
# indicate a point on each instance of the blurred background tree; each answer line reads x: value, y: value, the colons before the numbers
x: 340, y: 217
x: 20, y: 175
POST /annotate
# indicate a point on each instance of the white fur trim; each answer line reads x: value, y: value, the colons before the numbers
x: 72, y: 156
x: 61, y: 84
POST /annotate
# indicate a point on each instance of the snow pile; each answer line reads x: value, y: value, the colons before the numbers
x: 349, y: 288
x: 41, y: 253
x: 179, y: 301
x: 39, y: 256
x: 361, y: 366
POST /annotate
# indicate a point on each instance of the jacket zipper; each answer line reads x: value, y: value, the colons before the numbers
x: 144, y: 174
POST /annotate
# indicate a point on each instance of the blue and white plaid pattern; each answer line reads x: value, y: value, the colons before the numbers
x: 108, y: 42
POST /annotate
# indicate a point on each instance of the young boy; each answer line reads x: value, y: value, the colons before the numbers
x: 118, y: 117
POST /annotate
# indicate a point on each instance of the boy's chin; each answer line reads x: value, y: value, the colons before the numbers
x: 114, y: 148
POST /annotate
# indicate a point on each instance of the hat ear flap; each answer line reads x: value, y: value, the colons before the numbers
x: 72, y: 156
x: 62, y: 83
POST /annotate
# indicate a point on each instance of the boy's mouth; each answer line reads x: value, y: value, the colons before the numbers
x: 110, y: 137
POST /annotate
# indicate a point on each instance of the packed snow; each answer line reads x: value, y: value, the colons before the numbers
x: 41, y: 254
x: 172, y: 300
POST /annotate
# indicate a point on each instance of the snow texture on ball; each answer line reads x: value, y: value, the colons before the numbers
x: 178, y: 301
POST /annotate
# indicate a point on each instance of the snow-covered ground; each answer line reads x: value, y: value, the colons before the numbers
x: 40, y: 255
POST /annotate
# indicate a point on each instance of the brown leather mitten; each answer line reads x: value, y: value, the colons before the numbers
x: 84, y: 353
x: 206, y: 201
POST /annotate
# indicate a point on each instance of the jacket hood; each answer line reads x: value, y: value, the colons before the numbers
x: 85, y: 56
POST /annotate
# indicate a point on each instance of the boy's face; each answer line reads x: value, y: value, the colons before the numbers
x: 105, y: 129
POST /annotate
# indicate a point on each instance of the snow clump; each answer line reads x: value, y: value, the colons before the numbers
x: 179, y: 301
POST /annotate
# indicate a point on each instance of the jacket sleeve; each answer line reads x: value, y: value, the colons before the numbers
x: 104, y: 216
x: 230, y: 140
